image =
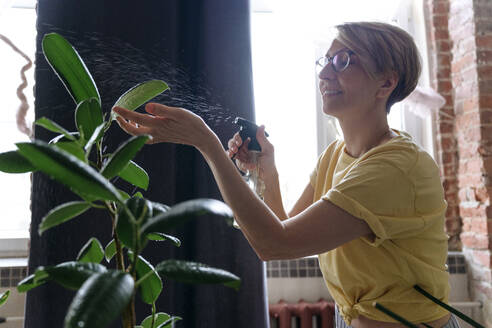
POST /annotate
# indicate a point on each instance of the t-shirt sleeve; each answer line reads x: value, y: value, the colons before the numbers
x: 379, y: 193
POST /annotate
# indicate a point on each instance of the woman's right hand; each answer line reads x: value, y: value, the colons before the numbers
x: 238, y: 150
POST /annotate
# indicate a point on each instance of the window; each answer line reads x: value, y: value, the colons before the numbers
x: 17, y: 23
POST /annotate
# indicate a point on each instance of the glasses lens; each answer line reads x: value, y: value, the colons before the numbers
x: 321, y: 63
x: 341, y: 61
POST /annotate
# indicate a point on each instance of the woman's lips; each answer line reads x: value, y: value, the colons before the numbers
x: 331, y: 92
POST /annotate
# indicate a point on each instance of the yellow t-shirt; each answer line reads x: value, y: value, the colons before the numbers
x: 396, y: 189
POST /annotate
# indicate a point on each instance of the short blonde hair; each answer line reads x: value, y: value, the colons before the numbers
x: 384, y: 48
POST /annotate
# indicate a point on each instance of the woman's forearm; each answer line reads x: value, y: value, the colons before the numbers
x: 273, y: 197
x: 261, y: 226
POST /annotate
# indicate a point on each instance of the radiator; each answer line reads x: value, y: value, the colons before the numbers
x: 306, y: 315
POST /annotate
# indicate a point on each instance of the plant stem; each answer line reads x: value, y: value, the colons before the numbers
x: 153, y: 316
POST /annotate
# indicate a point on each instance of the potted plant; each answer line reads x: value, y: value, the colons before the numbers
x: 77, y: 160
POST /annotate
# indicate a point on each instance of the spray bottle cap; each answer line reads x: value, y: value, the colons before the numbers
x: 248, y: 129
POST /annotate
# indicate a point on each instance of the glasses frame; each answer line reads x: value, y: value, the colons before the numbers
x: 331, y: 60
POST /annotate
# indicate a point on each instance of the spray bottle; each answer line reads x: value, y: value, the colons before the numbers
x: 247, y: 129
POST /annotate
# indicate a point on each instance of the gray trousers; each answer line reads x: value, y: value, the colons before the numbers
x: 339, y: 323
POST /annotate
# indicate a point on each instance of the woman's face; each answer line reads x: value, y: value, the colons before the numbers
x: 349, y: 92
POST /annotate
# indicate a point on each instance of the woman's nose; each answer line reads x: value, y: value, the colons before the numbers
x: 327, y: 73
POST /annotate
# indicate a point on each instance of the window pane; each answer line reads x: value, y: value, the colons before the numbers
x: 19, y: 26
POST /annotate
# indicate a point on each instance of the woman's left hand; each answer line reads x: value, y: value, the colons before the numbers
x: 165, y: 124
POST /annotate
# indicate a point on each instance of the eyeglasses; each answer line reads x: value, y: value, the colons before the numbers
x: 339, y: 62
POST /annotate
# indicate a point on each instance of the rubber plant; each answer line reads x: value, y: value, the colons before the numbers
x: 77, y: 160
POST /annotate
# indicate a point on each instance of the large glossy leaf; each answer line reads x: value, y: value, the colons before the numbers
x: 160, y: 318
x: 122, y: 156
x: 4, y: 296
x: 54, y: 127
x: 69, y: 170
x: 150, y: 288
x: 110, y: 250
x: 72, y: 147
x: 61, y: 137
x: 135, y: 175
x: 62, y: 213
x: 198, y: 273
x: 69, y: 67
x: 14, y: 162
x: 88, y: 116
x: 95, y: 137
x: 100, y: 300
x: 128, y: 227
x: 182, y: 212
x: 70, y: 275
x: 159, y: 236
x: 140, y: 94
x: 91, y: 252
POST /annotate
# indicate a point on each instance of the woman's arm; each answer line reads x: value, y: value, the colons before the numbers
x: 321, y: 227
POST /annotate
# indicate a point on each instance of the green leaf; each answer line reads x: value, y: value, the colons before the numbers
x: 160, y: 318
x: 110, y: 250
x: 150, y: 288
x: 4, y: 296
x: 127, y: 227
x: 169, y: 323
x: 184, y: 211
x: 159, y: 236
x: 70, y: 275
x: 140, y: 94
x: 88, y: 116
x: 72, y: 147
x: 91, y: 252
x: 69, y: 170
x: 159, y: 208
x: 135, y: 175
x: 138, y: 194
x: 69, y: 67
x: 14, y: 162
x: 32, y: 281
x: 61, y: 137
x: 54, y: 127
x: 62, y: 213
x: 122, y: 156
x: 100, y: 300
x: 95, y: 137
x: 192, y: 272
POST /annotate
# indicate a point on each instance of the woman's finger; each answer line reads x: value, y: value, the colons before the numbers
x: 130, y: 128
x: 162, y: 110
x: 142, y: 119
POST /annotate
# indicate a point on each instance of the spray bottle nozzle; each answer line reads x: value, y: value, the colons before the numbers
x: 248, y: 129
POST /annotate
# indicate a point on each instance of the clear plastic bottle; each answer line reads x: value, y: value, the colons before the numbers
x: 247, y: 129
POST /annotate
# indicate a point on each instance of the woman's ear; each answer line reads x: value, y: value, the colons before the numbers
x: 388, y: 83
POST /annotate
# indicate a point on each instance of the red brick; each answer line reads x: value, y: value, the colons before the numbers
x: 484, y: 56
x: 453, y: 226
x: 462, y: 62
x: 472, y: 135
x: 479, y: 211
x: 485, y: 101
x: 475, y: 241
x: 484, y: 41
x: 483, y: 258
x: 444, y: 60
x: 487, y: 165
x: 440, y: 7
x: 444, y: 86
x: 468, y: 120
x: 486, y: 132
x: 448, y: 143
x: 441, y: 34
x: 440, y: 21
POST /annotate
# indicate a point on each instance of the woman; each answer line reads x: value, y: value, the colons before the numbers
x: 374, y: 207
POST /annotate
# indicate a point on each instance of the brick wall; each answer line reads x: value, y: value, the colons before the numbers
x: 460, y: 53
